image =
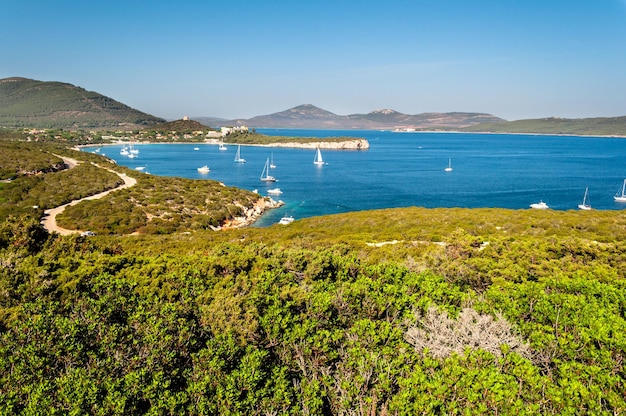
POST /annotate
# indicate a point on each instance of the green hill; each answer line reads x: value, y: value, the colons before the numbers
x: 179, y: 126
x: 30, y: 103
x: 599, y: 126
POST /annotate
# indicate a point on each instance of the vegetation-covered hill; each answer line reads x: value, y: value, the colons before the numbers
x: 179, y: 126
x: 400, y: 311
x: 154, y: 205
x: 600, y: 126
x: 30, y: 103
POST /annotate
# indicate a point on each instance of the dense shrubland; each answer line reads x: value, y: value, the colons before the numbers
x: 403, y: 311
x: 156, y: 205
x: 252, y: 321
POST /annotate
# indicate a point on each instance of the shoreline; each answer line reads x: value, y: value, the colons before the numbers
x: 354, y: 144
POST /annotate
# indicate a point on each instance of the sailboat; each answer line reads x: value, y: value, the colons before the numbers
x: 222, y: 146
x: 238, y: 158
x: 449, y: 168
x: 585, y: 205
x: 272, y: 165
x: 621, y: 197
x: 318, y: 158
x: 265, y: 174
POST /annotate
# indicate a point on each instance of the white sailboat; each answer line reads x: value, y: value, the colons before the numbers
x: 318, y: 158
x: 621, y: 197
x: 222, y: 147
x: 272, y: 165
x: 265, y: 174
x: 449, y: 168
x: 238, y: 158
x: 585, y: 205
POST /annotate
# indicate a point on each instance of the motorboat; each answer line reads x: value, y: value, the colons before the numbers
x: 539, y: 205
x: 286, y: 220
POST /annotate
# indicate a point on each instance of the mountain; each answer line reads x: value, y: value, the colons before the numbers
x: 308, y: 116
x: 30, y: 103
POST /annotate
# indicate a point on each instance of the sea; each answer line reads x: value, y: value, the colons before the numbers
x: 403, y: 169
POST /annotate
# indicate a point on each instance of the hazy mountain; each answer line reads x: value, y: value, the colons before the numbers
x: 308, y: 116
x: 30, y: 103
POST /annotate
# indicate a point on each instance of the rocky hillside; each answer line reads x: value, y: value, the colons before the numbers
x: 30, y: 103
x: 308, y: 116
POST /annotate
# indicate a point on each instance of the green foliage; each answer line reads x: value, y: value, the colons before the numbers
x: 600, y: 126
x: 29, y: 103
x: 252, y: 137
x: 158, y: 205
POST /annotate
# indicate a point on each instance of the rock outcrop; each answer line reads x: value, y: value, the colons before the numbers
x: 250, y: 214
x: 356, y: 144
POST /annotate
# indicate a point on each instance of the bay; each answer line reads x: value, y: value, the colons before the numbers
x: 407, y: 169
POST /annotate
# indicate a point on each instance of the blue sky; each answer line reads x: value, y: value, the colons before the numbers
x: 515, y: 59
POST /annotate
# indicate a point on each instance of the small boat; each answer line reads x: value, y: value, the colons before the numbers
x: 222, y: 147
x: 204, y: 169
x: 238, y: 158
x: 318, y: 158
x: 539, y: 205
x: 196, y: 148
x: 124, y: 151
x: 286, y: 220
x: 275, y: 191
x: 621, y: 197
x: 585, y: 205
x: 140, y: 168
x: 449, y: 168
x: 265, y: 174
x: 133, y: 150
x: 272, y: 165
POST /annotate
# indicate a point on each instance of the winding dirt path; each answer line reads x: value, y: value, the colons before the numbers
x: 49, y: 220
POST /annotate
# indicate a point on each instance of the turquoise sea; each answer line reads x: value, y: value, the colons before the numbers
x: 407, y: 169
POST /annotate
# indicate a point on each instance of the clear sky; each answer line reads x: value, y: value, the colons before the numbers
x: 241, y: 58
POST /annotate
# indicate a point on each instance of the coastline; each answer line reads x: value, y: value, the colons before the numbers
x: 354, y: 144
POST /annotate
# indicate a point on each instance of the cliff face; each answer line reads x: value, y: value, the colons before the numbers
x: 356, y: 144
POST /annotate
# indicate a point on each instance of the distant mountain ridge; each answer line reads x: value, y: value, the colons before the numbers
x: 48, y: 104
x: 308, y: 116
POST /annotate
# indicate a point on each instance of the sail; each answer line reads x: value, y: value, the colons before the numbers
x: 318, y: 158
x: 238, y: 157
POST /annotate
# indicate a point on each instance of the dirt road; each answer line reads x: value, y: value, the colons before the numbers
x: 49, y: 220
